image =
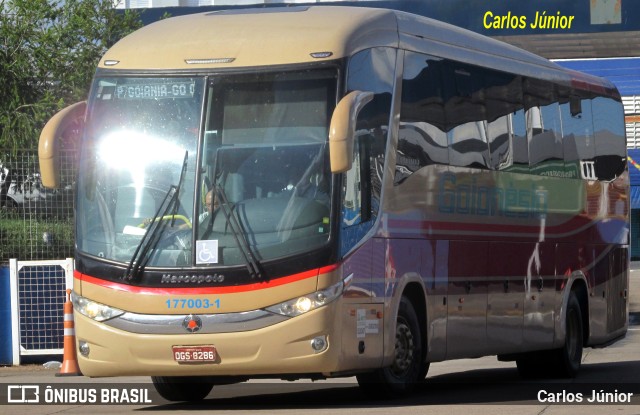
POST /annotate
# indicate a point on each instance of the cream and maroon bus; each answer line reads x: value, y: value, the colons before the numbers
x: 314, y: 192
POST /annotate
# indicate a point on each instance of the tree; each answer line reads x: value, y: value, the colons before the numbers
x: 49, y: 50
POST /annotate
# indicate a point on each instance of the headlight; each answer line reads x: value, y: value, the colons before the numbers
x: 93, y: 310
x: 306, y: 303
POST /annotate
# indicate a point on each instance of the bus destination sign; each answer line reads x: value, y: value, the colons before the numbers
x: 156, y: 90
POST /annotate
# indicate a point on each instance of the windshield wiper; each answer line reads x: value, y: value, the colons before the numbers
x: 238, y: 233
x: 178, y: 187
x: 150, y: 239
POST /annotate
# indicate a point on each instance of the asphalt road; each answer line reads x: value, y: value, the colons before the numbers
x: 468, y: 386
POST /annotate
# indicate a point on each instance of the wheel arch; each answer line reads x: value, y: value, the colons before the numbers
x: 577, y: 284
x: 399, y: 375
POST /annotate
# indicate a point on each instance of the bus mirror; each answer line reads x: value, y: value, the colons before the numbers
x: 343, y: 129
x: 64, y: 125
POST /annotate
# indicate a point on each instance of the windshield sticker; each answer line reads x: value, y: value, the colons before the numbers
x: 207, y: 252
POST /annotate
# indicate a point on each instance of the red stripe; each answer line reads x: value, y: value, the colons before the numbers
x: 573, y: 224
x: 204, y: 290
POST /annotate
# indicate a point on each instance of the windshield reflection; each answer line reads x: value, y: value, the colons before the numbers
x: 264, y: 146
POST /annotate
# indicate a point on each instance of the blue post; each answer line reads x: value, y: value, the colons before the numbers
x: 6, y: 355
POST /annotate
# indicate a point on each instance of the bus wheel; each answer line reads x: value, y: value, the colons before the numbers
x: 567, y: 359
x: 182, y: 388
x: 563, y: 362
x: 407, y: 368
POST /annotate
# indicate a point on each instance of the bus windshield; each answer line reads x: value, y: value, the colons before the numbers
x: 206, y: 171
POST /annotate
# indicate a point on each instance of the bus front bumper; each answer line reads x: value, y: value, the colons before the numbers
x: 282, y: 348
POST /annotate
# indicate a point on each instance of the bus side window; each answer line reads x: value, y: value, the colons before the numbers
x: 519, y: 142
x: 354, y: 189
x: 503, y: 97
x: 610, y: 157
x: 369, y: 70
x: 361, y: 187
x: 577, y: 137
x: 465, y: 114
x: 545, y: 141
x: 422, y: 139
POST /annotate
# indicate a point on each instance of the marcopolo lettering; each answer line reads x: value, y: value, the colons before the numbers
x: 191, y: 279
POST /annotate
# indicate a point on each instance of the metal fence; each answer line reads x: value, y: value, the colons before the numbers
x: 38, y: 293
x: 35, y: 223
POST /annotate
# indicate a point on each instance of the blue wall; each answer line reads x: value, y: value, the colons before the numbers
x: 623, y: 72
x: 634, y: 177
x: 6, y: 355
x: 467, y: 14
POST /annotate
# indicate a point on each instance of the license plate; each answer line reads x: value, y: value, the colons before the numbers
x: 195, y: 354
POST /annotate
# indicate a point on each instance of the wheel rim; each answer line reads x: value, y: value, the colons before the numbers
x: 404, y: 350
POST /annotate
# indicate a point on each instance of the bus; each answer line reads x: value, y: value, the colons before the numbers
x: 321, y: 191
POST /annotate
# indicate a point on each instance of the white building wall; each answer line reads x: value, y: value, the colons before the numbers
x: 632, y: 111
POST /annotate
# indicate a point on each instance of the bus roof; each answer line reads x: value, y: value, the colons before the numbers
x: 254, y: 37
x: 301, y: 34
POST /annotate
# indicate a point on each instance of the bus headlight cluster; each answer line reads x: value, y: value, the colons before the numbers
x: 306, y: 303
x: 93, y: 310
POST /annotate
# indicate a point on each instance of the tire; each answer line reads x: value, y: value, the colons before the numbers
x: 182, y: 388
x: 408, y: 367
x: 567, y: 359
x: 559, y: 363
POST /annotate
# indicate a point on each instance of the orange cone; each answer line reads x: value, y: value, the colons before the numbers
x: 70, y: 363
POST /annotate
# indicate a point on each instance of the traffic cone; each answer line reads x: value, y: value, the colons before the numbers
x: 70, y: 362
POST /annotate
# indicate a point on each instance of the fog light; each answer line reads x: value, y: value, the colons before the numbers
x: 83, y: 347
x: 319, y: 344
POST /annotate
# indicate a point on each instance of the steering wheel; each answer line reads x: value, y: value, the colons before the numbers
x: 184, y: 219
